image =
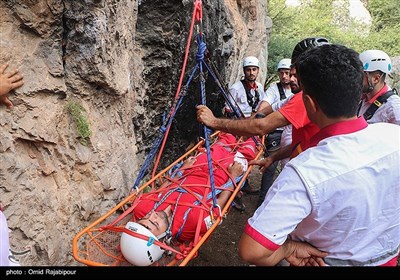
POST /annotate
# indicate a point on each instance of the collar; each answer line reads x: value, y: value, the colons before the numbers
x: 339, y: 128
x: 252, y: 86
x: 376, y: 95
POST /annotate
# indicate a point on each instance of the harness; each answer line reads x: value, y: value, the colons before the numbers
x: 252, y: 101
x: 377, y: 103
x: 281, y: 91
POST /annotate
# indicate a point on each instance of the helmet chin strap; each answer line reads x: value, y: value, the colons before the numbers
x: 370, y: 85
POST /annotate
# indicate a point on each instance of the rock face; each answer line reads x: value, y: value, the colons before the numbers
x: 120, y: 63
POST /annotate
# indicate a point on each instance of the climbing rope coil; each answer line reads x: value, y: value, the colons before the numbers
x: 99, y: 243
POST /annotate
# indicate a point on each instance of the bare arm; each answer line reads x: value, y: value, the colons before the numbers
x: 236, y: 169
x: 282, y: 153
x: 265, y: 108
x: 242, y: 127
x: 296, y: 253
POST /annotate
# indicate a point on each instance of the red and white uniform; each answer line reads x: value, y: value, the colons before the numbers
x: 342, y: 196
x: 273, y: 98
x: 238, y: 96
x: 302, y: 128
x: 272, y: 94
x: 389, y: 112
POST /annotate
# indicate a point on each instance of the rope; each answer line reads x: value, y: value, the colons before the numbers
x: 196, y: 17
x: 200, y: 58
x: 202, y: 47
x: 236, y: 109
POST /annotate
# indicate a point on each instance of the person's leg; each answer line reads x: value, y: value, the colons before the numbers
x: 266, y: 182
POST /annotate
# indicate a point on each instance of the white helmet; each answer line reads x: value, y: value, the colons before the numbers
x: 374, y: 60
x: 251, y: 61
x: 284, y: 64
x: 137, y: 251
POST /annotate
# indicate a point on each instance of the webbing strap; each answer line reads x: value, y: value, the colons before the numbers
x: 251, y: 100
x: 281, y: 91
x: 377, y: 103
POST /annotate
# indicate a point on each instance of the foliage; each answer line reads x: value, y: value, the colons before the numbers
x: 82, y: 125
x: 386, y: 14
x: 331, y: 19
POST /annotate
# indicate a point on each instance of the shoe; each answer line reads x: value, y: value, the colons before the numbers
x: 238, y: 204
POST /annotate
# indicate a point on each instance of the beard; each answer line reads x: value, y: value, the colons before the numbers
x: 294, y: 88
x: 366, y: 89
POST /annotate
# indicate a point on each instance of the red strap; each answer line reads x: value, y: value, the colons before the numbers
x: 197, y: 15
x: 185, y: 250
x: 198, y: 11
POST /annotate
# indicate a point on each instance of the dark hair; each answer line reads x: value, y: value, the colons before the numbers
x: 333, y: 76
x: 306, y: 44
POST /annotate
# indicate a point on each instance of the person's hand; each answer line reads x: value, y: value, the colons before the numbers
x: 235, y: 169
x: 7, y: 102
x: 188, y: 162
x: 205, y: 115
x: 304, y: 254
x: 315, y: 261
x: 262, y: 163
x: 8, y: 82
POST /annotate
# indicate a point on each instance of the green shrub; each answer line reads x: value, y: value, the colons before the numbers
x: 77, y: 113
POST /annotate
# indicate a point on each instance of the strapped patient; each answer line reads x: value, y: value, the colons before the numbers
x: 174, y: 209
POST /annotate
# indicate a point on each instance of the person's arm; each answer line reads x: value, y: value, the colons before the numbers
x: 236, y: 169
x: 296, y: 253
x: 283, y: 152
x: 232, y: 97
x: 8, y: 82
x: 270, y: 97
x: 241, y: 127
x: 177, y: 170
x: 265, y: 108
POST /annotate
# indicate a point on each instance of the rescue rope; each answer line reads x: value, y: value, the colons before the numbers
x: 196, y: 17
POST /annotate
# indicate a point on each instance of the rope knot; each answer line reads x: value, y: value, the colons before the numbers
x: 201, y: 50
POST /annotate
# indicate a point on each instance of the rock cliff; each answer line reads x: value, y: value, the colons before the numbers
x: 116, y: 64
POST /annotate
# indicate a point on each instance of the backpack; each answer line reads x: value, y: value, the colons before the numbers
x: 378, y: 103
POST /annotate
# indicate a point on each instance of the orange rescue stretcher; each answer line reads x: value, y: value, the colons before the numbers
x: 96, y: 245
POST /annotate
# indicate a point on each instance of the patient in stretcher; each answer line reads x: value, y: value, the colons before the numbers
x: 174, y: 210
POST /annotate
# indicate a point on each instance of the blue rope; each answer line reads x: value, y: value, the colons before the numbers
x: 200, y: 57
x: 162, y: 130
x: 202, y: 47
x: 236, y: 109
